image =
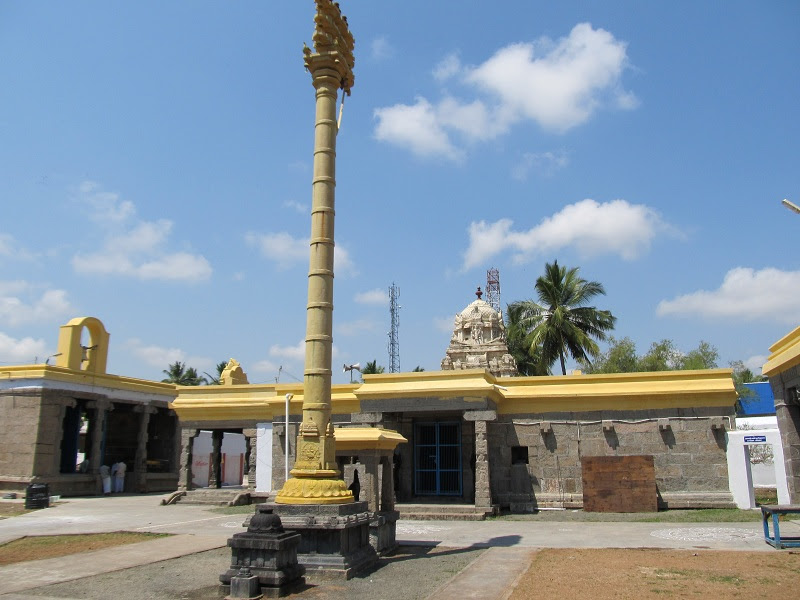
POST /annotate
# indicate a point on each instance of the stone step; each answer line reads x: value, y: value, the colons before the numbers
x: 207, y: 497
x: 442, y: 517
x: 442, y: 512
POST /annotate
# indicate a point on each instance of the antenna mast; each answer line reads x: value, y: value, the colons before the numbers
x: 493, y: 288
x: 394, y: 332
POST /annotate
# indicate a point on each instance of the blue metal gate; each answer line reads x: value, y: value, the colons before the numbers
x: 437, y: 459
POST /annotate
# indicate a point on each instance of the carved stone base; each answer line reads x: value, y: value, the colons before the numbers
x: 310, y: 490
x: 335, y: 539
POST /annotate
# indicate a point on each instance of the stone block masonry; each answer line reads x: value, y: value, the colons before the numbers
x: 689, y: 459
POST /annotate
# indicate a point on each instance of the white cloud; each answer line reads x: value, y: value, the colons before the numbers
x: 134, y: 249
x: 280, y: 248
x: 448, y: 67
x: 754, y: 363
x: 378, y: 297
x: 107, y: 207
x: 592, y: 228
x: 296, y: 206
x: 543, y: 163
x: 558, y: 85
x: 265, y: 366
x: 22, y: 351
x: 21, y: 302
x: 415, y: 127
x: 349, y: 328
x: 286, y: 251
x: 769, y: 294
x: 381, y: 49
x: 297, y: 352
x: 10, y: 248
x: 562, y: 88
x: 160, y: 357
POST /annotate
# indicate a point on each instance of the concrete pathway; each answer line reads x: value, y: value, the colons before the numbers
x: 492, y: 576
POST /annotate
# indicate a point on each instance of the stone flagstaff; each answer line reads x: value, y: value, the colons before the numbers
x: 315, y: 476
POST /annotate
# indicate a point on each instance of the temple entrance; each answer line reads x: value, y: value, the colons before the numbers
x: 437, y: 459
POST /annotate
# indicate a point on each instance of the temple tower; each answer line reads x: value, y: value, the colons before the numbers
x: 479, y: 341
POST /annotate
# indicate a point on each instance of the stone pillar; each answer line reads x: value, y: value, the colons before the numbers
x: 63, y: 404
x: 215, y: 478
x: 101, y: 410
x: 370, y: 480
x: 187, y: 442
x: 483, y: 489
x: 140, y: 460
x: 250, y: 456
x: 387, y: 484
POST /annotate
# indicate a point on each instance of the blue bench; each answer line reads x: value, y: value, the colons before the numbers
x: 773, y: 512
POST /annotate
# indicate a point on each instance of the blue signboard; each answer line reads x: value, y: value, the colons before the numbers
x: 755, y: 439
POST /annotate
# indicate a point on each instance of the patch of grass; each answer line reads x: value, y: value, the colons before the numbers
x: 12, y: 509
x: 53, y: 546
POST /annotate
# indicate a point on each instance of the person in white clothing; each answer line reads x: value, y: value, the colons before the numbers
x: 105, y: 475
x: 119, y: 477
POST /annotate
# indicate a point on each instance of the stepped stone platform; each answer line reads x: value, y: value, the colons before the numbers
x: 443, y: 512
x: 216, y: 497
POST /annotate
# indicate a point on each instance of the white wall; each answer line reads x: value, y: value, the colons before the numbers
x: 740, y: 474
x: 264, y: 457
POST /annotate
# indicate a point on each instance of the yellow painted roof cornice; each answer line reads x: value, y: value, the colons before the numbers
x: 367, y: 438
x: 252, y: 401
x: 618, y: 391
x: 52, y: 377
x: 784, y: 354
x: 442, y: 384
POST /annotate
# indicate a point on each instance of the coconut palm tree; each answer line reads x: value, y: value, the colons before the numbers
x: 178, y: 374
x: 528, y: 357
x: 561, y: 323
x: 216, y: 380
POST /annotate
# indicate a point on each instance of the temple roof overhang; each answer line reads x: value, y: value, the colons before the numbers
x: 784, y: 354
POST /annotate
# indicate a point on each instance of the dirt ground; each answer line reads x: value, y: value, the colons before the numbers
x: 622, y: 574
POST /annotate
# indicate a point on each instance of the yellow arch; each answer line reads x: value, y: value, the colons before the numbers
x: 72, y: 355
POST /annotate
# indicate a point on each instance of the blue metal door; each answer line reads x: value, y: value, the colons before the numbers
x: 437, y: 459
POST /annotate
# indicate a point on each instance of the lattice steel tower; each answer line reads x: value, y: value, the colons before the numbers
x: 493, y: 288
x: 394, y: 332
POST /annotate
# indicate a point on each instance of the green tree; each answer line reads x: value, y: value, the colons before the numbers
x: 620, y: 357
x: 211, y: 380
x: 372, y: 368
x: 561, y: 322
x: 528, y: 357
x: 662, y: 356
x: 418, y: 369
x: 178, y: 374
x: 705, y: 356
x: 742, y: 375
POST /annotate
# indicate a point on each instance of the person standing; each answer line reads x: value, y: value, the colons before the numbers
x: 119, y: 477
x: 105, y: 475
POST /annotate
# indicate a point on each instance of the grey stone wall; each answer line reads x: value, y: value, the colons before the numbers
x: 689, y: 455
x: 788, y: 414
x: 19, y: 416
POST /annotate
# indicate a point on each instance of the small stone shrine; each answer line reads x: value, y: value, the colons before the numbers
x: 479, y: 341
x: 265, y: 557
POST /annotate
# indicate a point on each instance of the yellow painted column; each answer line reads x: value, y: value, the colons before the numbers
x: 315, y: 477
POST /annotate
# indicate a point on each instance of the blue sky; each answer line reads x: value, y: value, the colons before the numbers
x: 156, y: 162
